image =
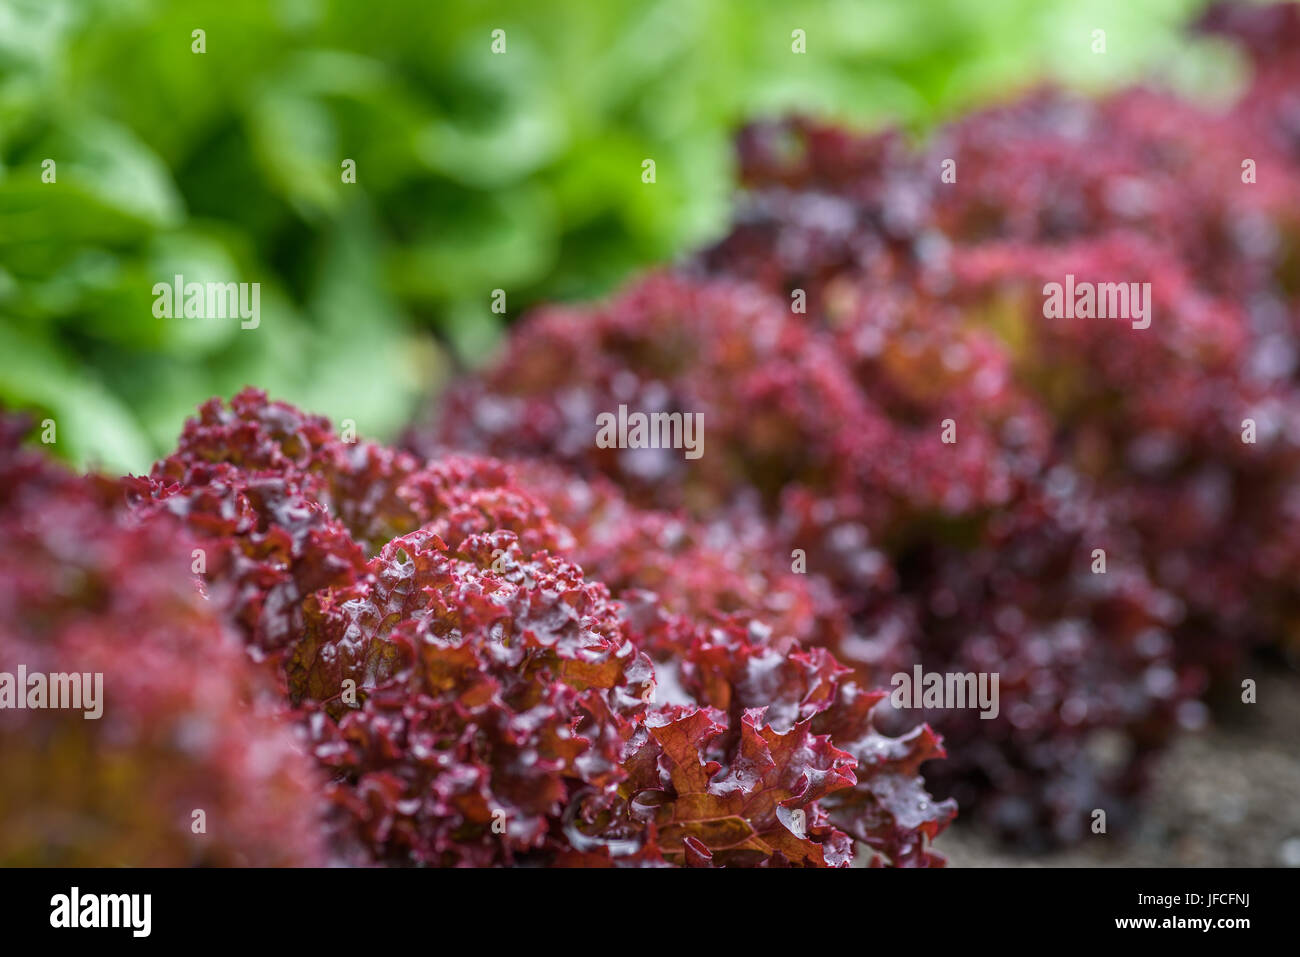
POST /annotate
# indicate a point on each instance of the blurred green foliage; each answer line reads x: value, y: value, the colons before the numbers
x: 474, y: 170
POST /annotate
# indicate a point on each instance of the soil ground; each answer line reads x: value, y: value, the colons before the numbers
x: 1227, y: 796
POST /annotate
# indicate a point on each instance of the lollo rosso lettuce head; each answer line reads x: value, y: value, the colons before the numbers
x: 191, y: 759
x: 475, y: 698
x: 1187, y: 428
x: 966, y: 558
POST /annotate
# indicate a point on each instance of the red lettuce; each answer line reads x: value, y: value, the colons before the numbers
x: 475, y: 698
x: 187, y: 725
